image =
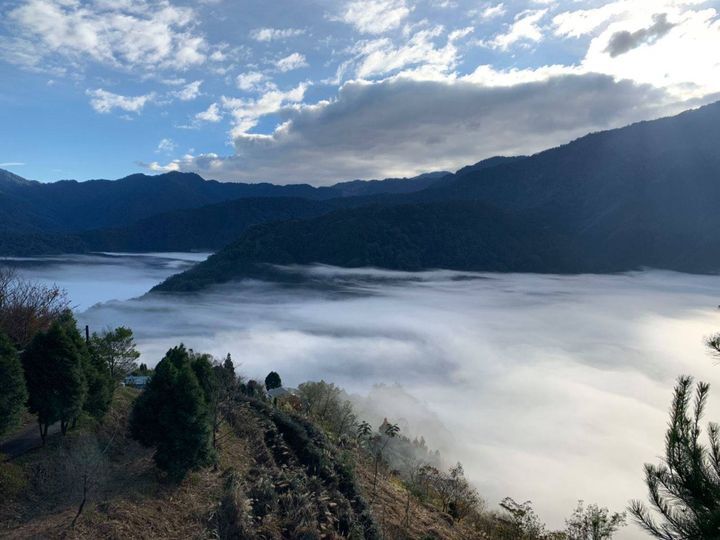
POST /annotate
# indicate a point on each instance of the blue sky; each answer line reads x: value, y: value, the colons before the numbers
x: 320, y: 91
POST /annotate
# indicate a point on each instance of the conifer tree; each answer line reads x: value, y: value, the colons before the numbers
x: 229, y: 367
x: 55, y: 378
x: 172, y: 415
x: 13, y: 392
x: 99, y: 382
x: 100, y: 386
x: 685, y: 489
x: 273, y: 380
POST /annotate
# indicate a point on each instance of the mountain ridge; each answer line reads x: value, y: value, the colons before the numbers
x: 624, y: 199
x: 69, y: 206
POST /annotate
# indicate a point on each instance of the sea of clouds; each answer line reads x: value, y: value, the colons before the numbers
x: 547, y: 388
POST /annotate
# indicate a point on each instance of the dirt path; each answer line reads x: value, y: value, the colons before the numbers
x: 24, y: 441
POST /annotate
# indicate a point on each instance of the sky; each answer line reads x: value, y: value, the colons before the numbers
x: 321, y: 91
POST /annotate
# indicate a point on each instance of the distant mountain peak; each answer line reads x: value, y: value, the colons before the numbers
x: 488, y: 163
x: 12, y: 178
x: 170, y: 175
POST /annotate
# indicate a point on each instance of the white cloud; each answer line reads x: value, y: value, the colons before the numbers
x: 683, y: 58
x: 130, y: 34
x: 189, y: 92
x: 250, y: 80
x: 211, y: 114
x: 291, y: 62
x: 400, y: 126
x: 210, y: 161
x: 375, y: 16
x: 247, y: 112
x: 275, y: 34
x: 493, y: 11
x: 104, y: 102
x: 525, y: 28
x: 380, y: 56
x: 490, y: 77
x: 157, y: 167
x: 166, y: 146
x: 584, y: 21
x: 11, y: 164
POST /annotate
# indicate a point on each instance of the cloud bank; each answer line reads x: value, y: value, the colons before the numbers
x: 549, y: 388
x: 534, y: 409
x: 402, y: 126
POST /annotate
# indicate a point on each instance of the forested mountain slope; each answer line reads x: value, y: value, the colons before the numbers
x: 641, y: 196
x: 69, y: 206
x: 456, y: 234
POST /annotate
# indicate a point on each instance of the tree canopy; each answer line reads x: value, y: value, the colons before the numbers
x: 272, y: 380
x: 13, y: 392
x: 55, y: 377
x: 172, y: 414
x: 27, y: 307
x: 117, y: 349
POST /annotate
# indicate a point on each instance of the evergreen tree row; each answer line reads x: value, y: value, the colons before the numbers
x: 59, y: 375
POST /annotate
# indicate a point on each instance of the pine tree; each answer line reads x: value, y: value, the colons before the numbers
x: 172, y: 415
x: 100, y: 386
x: 99, y: 382
x: 229, y: 367
x: 685, y: 489
x: 273, y: 380
x: 55, y: 378
x: 13, y: 392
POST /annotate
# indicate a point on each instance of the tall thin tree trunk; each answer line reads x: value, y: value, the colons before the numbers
x: 84, y: 499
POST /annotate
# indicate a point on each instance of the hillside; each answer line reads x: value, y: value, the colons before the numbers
x: 209, y: 227
x: 640, y: 196
x: 462, y: 235
x: 644, y: 195
x: 69, y: 206
x: 279, y: 475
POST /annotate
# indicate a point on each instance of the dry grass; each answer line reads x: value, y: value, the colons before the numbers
x: 130, y: 500
x: 399, y: 520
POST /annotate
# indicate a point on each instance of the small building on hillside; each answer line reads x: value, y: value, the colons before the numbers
x: 136, y: 381
x: 285, y: 396
x: 281, y: 392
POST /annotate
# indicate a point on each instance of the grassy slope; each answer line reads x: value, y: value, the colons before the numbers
x: 263, y: 488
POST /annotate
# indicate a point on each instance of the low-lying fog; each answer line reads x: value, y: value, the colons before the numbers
x: 89, y: 279
x: 546, y: 388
